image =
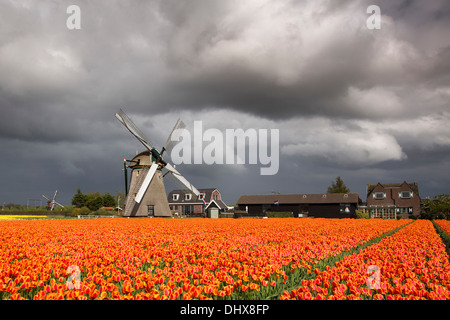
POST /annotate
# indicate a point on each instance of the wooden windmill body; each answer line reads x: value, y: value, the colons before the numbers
x: 154, y: 203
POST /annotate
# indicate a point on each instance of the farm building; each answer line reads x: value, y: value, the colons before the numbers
x: 324, y: 205
x: 183, y: 202
x: 393, y: 200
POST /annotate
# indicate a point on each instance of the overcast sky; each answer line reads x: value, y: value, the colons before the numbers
x: 367, y: 105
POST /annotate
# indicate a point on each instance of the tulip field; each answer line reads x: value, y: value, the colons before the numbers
x: 276, y: 258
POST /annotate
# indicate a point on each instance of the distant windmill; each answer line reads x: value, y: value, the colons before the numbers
x: 146, y: 195
x: 51, y: 203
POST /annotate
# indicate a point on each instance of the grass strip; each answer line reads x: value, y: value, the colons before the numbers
x: 444, y: 236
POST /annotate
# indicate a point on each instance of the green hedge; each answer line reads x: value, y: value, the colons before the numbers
x: 226, y: 215
x: 362, y: 215
x: 271, y: 214
x: 444, y: 236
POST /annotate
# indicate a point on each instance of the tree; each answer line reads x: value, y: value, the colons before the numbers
x: 94, y: 203
x: 79, y: 199
x: 93, y: 200
x: 338, y: 187
x: 436, y: 208
x: 108, y: 200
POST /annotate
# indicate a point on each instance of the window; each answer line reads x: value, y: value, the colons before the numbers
x: 137, y: 173
x: 402, y: 210
x: 175, y: 197
x: 200, y: 196
x: 188, y: 196
x: 151, y: 211
x: 405, y: 195
x: 324, y: 196
x: 379, y: 195
x: 344, y: 208
x: 187, y: 210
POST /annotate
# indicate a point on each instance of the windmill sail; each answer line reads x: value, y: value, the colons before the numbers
x: 130, y: 202
x: 177, y: 183
x: 126, y: 121
x: 182, y: 179
x: 146, y: 182
x: 59, y: 204
x: 174, y: 136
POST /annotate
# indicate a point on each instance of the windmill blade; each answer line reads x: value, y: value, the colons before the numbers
x: 59, y: 204
x: 46, y: 197
x: 146, y: 183
x: 182, y: 179
x: 135, y: 131
x: 177, y: 183
x: 54, y: 197
x: 174, y: 136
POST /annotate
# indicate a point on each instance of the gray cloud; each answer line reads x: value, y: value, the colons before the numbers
x: 370, y: 104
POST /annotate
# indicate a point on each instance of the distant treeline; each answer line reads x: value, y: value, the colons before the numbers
x: 93, y: 200
x: 89, y: 203
x: 35, y: 210
x: 436, y: 208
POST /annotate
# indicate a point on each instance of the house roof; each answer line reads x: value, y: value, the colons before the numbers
x: 217, y: 203
x: 221, y: 204
x: 208, y: 197
x: 299, y: 198
x: 413, y: 185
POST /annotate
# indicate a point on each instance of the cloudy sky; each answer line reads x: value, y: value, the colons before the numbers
x: 369, y: 105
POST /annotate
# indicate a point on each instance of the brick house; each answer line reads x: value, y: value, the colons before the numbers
x: 184, y: 202
x: 393, y: 200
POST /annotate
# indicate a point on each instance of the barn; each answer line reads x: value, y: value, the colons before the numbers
x: 324, y: 205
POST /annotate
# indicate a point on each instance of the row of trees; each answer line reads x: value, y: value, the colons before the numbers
x: 93, y: 200
x: 436, y: 208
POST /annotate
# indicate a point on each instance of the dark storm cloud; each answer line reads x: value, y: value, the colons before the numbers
x: 346, y: 99
x: 281, y: 63
x: 275, y: 59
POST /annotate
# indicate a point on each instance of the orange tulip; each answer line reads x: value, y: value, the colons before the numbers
x: 202, y: 258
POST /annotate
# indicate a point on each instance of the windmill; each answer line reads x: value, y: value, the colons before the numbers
x: 51, y: 203
x: 146, y: 195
